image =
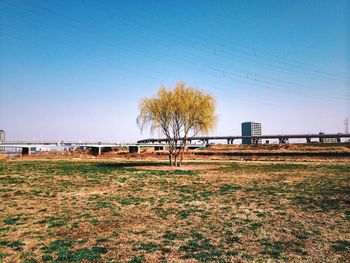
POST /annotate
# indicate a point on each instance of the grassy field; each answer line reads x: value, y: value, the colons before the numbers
x: 104, y: 211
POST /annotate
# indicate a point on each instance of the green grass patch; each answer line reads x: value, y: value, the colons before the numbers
x: 15, y: 245
x: 341, y: 245
x: 63, y: 251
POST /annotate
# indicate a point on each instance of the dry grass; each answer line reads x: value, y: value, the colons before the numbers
x: 97, y: 210
x: 296, y: 147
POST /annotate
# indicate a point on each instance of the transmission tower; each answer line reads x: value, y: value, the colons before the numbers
x: 346, y: 125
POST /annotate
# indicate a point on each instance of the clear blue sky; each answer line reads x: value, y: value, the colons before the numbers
x: 75, y: 70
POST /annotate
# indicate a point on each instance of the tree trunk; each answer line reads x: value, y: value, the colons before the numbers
x: 181, y: 156
x: 182, y: 150
x: 177, y: 159
x: 175, y: 155
x: 170, y: 153
x: 170, y: 159
x: 182, y: 153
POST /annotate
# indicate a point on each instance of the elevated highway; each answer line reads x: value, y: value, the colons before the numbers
x: 282, y: 138
x: 97, y: 148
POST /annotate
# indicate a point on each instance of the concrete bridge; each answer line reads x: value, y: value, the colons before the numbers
x: 282, y: 138
x: 97, y: 148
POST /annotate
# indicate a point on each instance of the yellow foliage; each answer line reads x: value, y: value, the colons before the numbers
x: 179, y: 113
x: 192, y: 110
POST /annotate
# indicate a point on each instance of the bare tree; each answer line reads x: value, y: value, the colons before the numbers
x: 178, y: 113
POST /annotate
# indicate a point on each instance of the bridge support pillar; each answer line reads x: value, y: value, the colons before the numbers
x: 96, y: 150
x: 308, y: 140
x: 282, y: 140
x: 338, y: 139
x: 134, y: 149
x: 26, y: 151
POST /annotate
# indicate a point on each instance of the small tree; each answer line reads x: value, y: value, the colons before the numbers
x: 178, y: 113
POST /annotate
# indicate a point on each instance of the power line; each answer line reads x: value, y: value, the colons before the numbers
x: 249, y: 53
x: 244, y: 54
x: 194, y: 61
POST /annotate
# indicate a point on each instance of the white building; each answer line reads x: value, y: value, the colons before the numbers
x: 2, y: 139
x: 251, y: 129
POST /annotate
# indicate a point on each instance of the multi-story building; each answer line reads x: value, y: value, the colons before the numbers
x: 2, y: 139
x: 328, y: 140
x: 2, y: 135
x: 251, y: 129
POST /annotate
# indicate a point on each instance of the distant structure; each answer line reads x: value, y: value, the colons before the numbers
x: 327, y: 140
x: 346, y: 126
x: 251, y: 129
x: 2, y: 139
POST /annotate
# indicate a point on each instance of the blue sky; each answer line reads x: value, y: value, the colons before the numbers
x: 75, y: 70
